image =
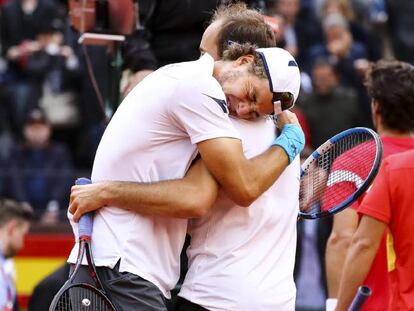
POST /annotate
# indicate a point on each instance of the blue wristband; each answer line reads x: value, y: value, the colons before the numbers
x: 292, y: 140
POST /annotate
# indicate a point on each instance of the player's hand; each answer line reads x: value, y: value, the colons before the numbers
x: 134, y: 79
x: 287, y: 117
x: 86, y: 198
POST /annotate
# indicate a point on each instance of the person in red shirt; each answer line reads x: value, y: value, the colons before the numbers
x: 389, y: 204
x: 391, y: 86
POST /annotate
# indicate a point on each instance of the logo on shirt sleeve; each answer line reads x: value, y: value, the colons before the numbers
x: 292, y: 63
x: 221, y: 102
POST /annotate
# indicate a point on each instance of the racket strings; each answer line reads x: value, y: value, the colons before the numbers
x: 347, y: 163
x: 82, y: 298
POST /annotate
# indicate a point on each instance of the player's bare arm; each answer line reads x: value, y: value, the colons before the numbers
x: 245, y: 180
x: 190, y: 197
x: 343, y: 229
x: 194, y: 195
x: 360, y: 256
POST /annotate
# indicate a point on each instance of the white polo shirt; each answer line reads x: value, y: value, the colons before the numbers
x: 242, y: 258
x: 152, y: 137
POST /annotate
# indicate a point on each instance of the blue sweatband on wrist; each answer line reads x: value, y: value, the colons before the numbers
x: 292, y: 140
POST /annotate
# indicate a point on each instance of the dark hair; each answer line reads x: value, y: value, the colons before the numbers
x: 391, y: 84
x: 242, y: 25
x: 10, y: 209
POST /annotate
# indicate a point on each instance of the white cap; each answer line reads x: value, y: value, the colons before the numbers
x: 284, y: 76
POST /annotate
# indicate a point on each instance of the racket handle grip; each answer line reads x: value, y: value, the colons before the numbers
x: 362, y: 295
x: 85, y: 222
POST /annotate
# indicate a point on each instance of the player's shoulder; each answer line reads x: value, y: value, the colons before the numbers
x: 201, y: 86
x: 189, y: 70
x: 193, y: 81
x: 403, y: 160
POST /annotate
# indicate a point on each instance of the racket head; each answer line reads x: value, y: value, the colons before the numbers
x: 75, y: 295
x: 337, y: 173
x: 69, y: 296
x: 79, y: 297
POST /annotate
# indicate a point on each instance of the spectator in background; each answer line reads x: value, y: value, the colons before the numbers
x: 19, y: 25
x: 6, y: 138
x: 15, y: 219
x: 280, y: 33
x: 339, y: 47
x: 288, y: 11
x: 54, y: 69
x: 361, y: 30
x: 388, y: 207
x: 301, y: 30
x: 401, y: 29
x: 391, y: 86
x: 40, y: 171
x: 346, y: 54
x: 331, y: 107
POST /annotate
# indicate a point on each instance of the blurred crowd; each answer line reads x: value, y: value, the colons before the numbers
x: 56, y: 95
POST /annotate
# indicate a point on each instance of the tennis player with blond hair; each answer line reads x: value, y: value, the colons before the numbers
x: 165, y: 128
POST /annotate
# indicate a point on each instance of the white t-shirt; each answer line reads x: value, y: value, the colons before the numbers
x: 243, y: 258
x: 152, y: 137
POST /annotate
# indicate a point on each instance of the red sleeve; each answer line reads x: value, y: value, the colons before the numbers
x: 377, y: 202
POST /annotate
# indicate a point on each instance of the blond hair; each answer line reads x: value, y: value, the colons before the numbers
x: 236, y: 50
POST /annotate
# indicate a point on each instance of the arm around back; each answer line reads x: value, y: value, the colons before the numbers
x: 190, y: 197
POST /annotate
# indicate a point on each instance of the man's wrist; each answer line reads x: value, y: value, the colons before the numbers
x: 291, y: 140
x: 105, y: 193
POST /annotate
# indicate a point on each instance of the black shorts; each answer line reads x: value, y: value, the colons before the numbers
x: 185, y: 305
x: 127, y: 291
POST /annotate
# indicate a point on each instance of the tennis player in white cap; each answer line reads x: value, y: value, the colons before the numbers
x: 155, y: 134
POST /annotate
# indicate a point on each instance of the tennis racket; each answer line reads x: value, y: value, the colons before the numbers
x: 337, y: 173
x: 75, y: 296
x: 362, y: 295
